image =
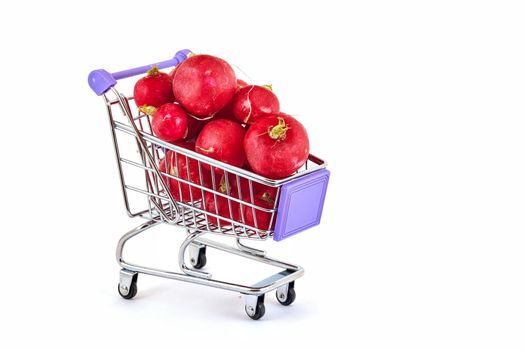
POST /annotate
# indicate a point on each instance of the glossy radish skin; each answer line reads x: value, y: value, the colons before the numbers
x: 267, y: 193
x: 219, y: 205
x: 177, y: 165
x: 253, y: 102
x: 194, y: 126
x: 155, y: 89
x: 170, y: 122
x: 172, y: 73
x: 276, y: 146
x: 260, y: 195
x: 227, y: 111
x: 229, y: 186
x: 258, y: 189
x: 241, y: 83
x: 204, y: 84
x: 222, y: 140
x: 263, y: 218
x: 263, y: 196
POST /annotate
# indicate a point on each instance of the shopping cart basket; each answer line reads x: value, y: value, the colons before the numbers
x: 160, y: 192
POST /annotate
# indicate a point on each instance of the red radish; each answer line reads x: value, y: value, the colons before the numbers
x: 204, y: 84
x: 276, y: 146
x: 264, y: 192
x: 227, y: 111
x: 263, y: 196
x: 219, y: 205
x: 222, y: 140
x: 260, y: 195
x: 194, y: 126
x: 263, y: 217
x: 155, y: 89
x: 177, y: 165
x: 241, y: 83
x: 247, y: 166
x: 253, y: 102
x: 258, y: 189
x: 172, y: 73
x: 228, y: 185
x: 169, y: 122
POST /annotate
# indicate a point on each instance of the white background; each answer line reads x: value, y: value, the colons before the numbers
x: 417, y: 106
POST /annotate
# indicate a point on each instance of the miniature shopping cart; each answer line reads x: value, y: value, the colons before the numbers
x: 156, y: 195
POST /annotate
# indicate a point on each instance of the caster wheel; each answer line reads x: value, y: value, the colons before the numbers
x: 130, y: 293
x: 259, y: 310
x: 200, y: 262
x: 288, y: 297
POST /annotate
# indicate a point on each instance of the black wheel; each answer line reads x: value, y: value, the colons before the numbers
x: 201, y: 259
x: 259, y: 309
x: 289, y: 298
x: 131, y: 292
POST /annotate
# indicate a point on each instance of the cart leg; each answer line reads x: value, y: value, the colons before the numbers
x: 127, y: 286
x: 122, y: 241
x: 191, y: 237
x: 254, y: 251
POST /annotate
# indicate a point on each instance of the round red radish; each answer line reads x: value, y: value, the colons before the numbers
x: 228, y: 185
x: 219, y: 205
x: 194, y: 126
x: 227, y: 111
x: 155, y: 89
x: 169, y: 122
x: 257, y: 189
x: 263, y: 218
x: 267, y: 193
x: 178, y: 166
x: 253, y: 102
x: 222, y: 140
x: 172, y: 73
x: 204, y: 84
x: 247, y: 166
x: 259, y: 195
x: 241, y: 83
x: 276, y: 146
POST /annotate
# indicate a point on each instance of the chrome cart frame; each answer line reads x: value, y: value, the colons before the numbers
x: 177, y: 185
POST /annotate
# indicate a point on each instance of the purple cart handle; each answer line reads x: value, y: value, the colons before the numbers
x: 101, y: 80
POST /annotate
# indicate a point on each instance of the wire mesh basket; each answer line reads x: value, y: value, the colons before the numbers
x: 185, y: 188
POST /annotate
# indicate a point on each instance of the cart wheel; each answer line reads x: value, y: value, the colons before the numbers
x: 200, y: 262
x: 132, y: 291
x: 259, y: 310
x: 287, y: 296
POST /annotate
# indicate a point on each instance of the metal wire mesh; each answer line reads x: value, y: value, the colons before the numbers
x: 192, y: 191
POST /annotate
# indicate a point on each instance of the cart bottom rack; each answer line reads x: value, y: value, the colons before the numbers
x: 195, y: 246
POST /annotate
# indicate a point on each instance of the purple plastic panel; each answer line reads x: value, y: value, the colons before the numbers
x: 301, y: 204
x: 101, y: 81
